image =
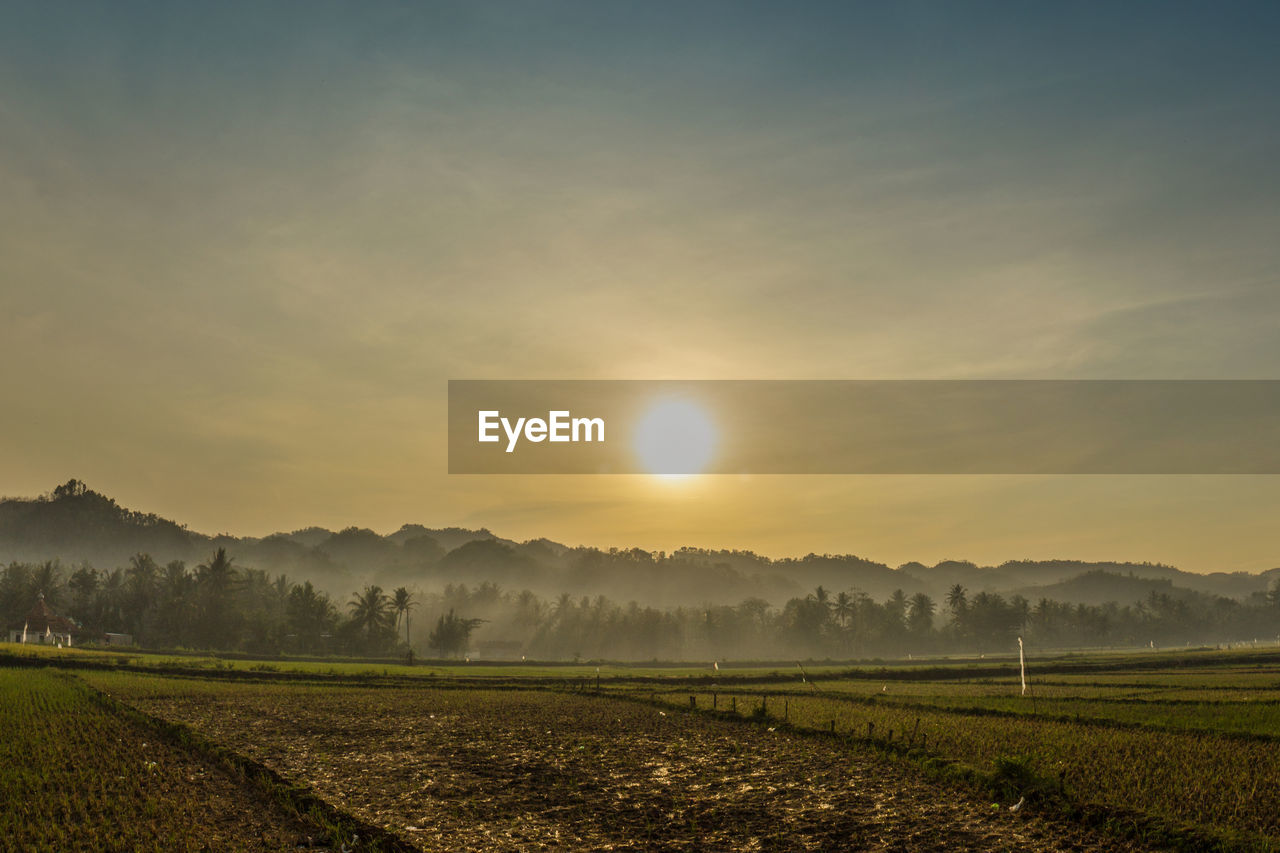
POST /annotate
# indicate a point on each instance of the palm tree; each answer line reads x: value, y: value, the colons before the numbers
x: 920, y: 615
x: 47, y: 581
x: 215, y: 581
x: 311, y: 617
x: 111, y: 592
x: 142, y: 576
x: 896, y: 610
x: 821, y: 596
x: 844, y: 608
x: 282, y: 587
x: 402, y: 601
x: 957, y: 601
x: 371, y: 611
x: 563, y: 607
x: 528, y: 609
x: 177, y: 604
x: 218, y: 575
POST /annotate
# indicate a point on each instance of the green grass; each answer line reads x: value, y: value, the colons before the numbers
x: 76, y: 776
x: 1140, y: 669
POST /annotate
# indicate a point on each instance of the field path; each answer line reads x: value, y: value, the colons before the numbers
x: 473, y: 770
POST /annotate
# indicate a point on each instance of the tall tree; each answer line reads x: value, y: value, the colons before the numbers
x: 140, y: 596
x: 177, y: 607
x: 215, y: 584
x: 371, y: 613
x: 920, y: 615
x: 47, y: 581
x: 452, y: 634
x: 312, y: 618
x: 844, y: 608
x: 895, y: 610
x: 402, y: 602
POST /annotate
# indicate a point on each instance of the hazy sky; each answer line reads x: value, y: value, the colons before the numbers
x: 243, y: 247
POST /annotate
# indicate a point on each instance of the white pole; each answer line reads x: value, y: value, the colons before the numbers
x: 1022, y: 662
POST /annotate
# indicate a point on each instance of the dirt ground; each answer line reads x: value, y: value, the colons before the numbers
x: 466, y: 770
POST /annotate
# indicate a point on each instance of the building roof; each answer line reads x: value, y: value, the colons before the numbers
x: 42, y: 618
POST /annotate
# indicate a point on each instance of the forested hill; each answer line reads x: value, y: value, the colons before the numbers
x: 75, y: 524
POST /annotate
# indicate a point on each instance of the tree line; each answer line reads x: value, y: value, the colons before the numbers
x: 220, y: 605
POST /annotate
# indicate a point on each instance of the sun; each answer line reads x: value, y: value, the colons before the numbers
x: 674, y: 438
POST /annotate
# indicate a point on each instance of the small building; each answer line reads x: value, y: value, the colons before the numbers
x: 42, y: 625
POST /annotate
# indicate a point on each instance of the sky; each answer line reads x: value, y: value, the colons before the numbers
x: 244, y: 246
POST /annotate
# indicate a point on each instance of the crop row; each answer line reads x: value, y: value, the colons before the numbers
x: 1223, y: 784
x: 76, y: 776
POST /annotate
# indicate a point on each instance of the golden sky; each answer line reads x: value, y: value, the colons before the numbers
x: 243, y: 250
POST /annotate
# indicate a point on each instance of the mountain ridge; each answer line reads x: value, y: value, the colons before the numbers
x: 75, y: 524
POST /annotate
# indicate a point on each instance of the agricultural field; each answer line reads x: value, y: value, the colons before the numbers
x: 475, y: 769
x: 1148, y: 757
x: 76, y: 776
x: 1204, y: 756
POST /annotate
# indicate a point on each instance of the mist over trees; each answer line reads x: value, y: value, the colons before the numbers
x: 78, y: 525
x: 224, y: 606
x: 450, y: 592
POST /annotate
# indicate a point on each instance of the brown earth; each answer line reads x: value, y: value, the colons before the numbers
x: 467, y: 770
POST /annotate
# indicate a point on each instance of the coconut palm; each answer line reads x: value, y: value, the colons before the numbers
x: 402, y: 602
x: 821, y: 596
x: 47, y: 581
x: 215, y: 583
x: 844, y: 608
x: 920, y: 614
x: 371, y: 612
x: 217, y: 576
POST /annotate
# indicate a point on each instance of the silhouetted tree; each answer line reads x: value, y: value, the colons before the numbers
x: 215, y: 584
x: 452, y: 634
x: 920, y: 615
x: 402, y: 602
x: 372, y: 614
x: 312, y: 619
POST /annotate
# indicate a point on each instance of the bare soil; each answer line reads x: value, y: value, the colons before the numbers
x: 470, y: 770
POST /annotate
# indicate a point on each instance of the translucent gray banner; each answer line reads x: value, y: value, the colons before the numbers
x: 864, y: 427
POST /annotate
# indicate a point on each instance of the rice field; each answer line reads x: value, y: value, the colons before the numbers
x: 74, y: 775
x: 476, y: 769
x: 644, y: 758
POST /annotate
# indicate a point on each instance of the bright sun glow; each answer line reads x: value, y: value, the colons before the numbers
x: 675, y: 437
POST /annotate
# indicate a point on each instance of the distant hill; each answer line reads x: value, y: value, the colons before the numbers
x: 939, y: 578
x: 1231, y: 585
x: 448, y: 538
x: 74, y: 523
x: 1032, y: 577
x: 1100, y: 587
